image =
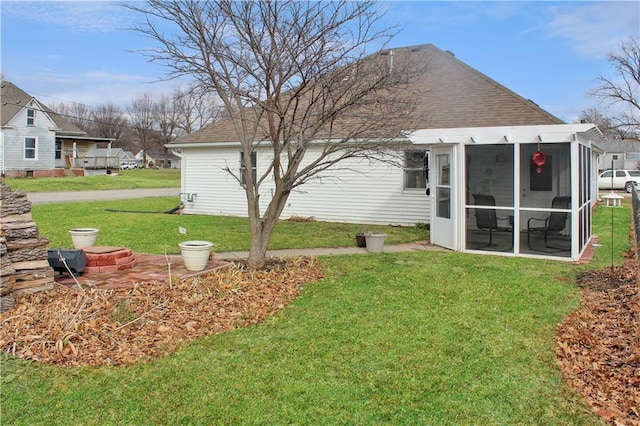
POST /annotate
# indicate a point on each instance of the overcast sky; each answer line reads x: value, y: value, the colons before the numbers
x: 549, y: 52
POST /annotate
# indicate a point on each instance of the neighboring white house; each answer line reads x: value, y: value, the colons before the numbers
x: 158, y: 159
x: 37, y: 142
x: 125, y: 158
x: 619, y: 154
x: 454, y: 98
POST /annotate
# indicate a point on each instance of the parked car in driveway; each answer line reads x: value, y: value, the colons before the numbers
x: 619, y: 179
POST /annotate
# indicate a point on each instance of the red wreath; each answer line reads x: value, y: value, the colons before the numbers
x: 539, y: 159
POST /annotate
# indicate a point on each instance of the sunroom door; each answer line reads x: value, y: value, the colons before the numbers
x: 442, y: 200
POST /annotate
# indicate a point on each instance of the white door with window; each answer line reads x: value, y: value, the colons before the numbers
x: 442, y: 179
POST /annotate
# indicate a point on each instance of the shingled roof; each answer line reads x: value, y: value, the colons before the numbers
x: 451, y: 95
x: 14, y: 99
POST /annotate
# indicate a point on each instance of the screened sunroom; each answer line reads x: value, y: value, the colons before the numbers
x: 519, y: 191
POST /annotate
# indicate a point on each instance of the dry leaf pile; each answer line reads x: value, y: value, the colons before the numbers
x: 598, y: 346
x: 119, y: 327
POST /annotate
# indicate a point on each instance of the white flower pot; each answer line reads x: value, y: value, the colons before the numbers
x: 375, y: 242
x: 83, y: 237
x: 195, y: 254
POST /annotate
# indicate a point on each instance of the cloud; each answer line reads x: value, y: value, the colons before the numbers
x: 77, y: 16
x: 93, y: 87
x: 593, y: 29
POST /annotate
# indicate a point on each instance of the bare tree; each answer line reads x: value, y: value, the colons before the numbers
x: 141, y: 119
x: 623, y: 90
x: 293, y: 76
x: 196, y: 108
x: 600, y: 119
x: 76, y: 113
x: 166, y: 117
x: 109, y: 121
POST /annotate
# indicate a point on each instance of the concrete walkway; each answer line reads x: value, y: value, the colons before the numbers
x: 102, y: 195
x: 396, y: 248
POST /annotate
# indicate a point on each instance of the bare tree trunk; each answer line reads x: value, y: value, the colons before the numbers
x: 262, y: 229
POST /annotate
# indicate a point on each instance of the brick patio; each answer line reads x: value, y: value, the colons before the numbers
x: 140, y: 268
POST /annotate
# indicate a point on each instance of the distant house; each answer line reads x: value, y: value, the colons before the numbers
x: 619, y: 154
x: 158, y: 158
x: 125, y: 158
x: 37, y: 142
x: 475, y: 140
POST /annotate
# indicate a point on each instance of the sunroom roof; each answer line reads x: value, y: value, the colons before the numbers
x: 507, y: 134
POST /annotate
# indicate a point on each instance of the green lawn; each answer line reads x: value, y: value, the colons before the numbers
x: 434, y: 338
x: 126, y: 179
x: 157, y: 232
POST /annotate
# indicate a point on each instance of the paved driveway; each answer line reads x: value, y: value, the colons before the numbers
x: 115, y: 194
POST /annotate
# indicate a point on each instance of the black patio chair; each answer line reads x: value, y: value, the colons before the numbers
x: 553, y: 224
x: 487, y: 220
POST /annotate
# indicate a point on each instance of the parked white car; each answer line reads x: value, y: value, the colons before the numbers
x: 129, y: 165
x: 619, y: 179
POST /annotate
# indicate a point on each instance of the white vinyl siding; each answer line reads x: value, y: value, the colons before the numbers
x: 14, y: 136
x: 357, y: 191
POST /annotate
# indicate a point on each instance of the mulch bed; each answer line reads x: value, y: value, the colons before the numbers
x: 598, y: 346
x: 75, y: 327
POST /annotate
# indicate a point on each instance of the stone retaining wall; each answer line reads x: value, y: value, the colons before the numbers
x: 24, y: 267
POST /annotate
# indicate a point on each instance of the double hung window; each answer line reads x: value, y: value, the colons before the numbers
x: 31, y: 117
x: 254, y: 163
x: 30, y: 145
x: 415, y: 169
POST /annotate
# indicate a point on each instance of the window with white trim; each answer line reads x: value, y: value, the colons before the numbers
x: 30, y: 145
x: 31, y: 117
x: 58, y: 153
x: 254, y: 164
x: 416, y: 163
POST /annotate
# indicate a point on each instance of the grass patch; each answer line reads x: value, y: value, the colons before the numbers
x: 612, y: 226
x: 157, y: 232
x: 126, y: 179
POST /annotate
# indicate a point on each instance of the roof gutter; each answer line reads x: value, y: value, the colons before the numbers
x: 404, y: 140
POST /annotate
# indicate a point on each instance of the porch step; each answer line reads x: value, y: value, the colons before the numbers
x: 108, y: 259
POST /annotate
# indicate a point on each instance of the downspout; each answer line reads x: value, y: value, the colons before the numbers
x: 183, y: 180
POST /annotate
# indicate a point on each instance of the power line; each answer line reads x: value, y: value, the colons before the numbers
x: 124, y: 124
x: 51, y: 111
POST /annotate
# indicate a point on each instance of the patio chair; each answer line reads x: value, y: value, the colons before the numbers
x: 487, y: 220
x: 553, y: 224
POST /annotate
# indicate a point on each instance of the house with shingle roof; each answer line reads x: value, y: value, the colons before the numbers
x: 619, y: 154
x: 37, y: 142
x: 158, y: 158
x: 467, y: 134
